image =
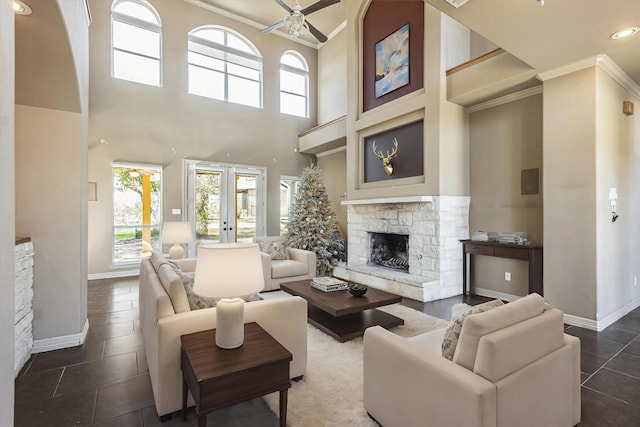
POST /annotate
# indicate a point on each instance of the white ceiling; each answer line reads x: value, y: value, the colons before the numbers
x: 546, y: 37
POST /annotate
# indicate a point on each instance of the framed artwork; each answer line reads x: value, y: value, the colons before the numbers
x: 392, y: 62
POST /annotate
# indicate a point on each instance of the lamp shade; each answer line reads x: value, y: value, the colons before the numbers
x: 227, y: 270
x: 176, y: 232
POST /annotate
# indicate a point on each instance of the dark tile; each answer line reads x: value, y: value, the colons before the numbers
x: 121, y: 397
x: 89, y: 351
x: 141, y: 360
x: 120, y: 316
x: 589, y: 362
x: 625, y: 364
x: 74, y: 409
x: 107, y: 307
x: 125, y: 297
x: 592, y: 343
x: 132, y: 419
x: 120, y: 345
x: 630, y: 322
x: 88, y: 376
x: 599, y: 410
x: 616, y: 385
x: 633, y: 348
x: 111, y: 330
x: 617, y: 334
x: 37, y: 386
x: 98, y: 320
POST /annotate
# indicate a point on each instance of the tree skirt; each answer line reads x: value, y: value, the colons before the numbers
x: 330, y: 393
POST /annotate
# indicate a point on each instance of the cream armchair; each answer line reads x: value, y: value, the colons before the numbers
x: 298, y: 265
x: 512, y: 366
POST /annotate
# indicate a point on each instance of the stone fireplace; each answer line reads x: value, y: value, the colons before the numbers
x: 432, y: 227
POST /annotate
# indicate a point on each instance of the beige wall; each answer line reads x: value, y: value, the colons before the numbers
x: 143, y: 123
x: 7, y: 213
x: 617, y: 165
x: 569, y: 182
x: 50, y: 192
x: 504, y: 140
x: 333, y: 166
x: 332, y: 78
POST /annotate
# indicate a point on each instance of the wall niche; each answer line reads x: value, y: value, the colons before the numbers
x: 382, y: 20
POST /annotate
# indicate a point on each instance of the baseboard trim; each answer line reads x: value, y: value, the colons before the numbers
x: 581, y: 322
x: 65, y: 341
x: 494, y: 294
x: 617, y: 315
x: 112, y: 274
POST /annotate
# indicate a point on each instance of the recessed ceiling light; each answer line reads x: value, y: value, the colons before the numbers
x: 21, y: 8
x: 627, y: 32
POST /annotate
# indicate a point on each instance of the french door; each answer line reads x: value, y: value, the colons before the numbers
x: 225, y: 203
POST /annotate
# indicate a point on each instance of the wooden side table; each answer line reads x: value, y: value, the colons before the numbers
x: 218, y: 378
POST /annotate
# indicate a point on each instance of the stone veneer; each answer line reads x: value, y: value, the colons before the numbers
x: 435, y: 257
x: 23, y: 303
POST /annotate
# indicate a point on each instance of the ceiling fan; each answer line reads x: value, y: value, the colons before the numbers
x: 298, y: 25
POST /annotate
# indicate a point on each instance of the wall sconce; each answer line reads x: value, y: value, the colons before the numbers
x: 627, y: 108
x: 613, y: 198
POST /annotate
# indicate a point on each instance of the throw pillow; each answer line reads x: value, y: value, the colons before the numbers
x: 276, y: 250
x: 459, y: 313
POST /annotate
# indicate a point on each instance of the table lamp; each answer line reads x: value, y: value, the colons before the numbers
x: 228, y: 271
x: 176, y: 233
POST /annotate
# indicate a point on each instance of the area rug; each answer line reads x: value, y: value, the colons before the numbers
x: 330, y: 394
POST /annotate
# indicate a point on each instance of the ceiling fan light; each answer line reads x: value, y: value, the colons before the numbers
x: 627, y: 32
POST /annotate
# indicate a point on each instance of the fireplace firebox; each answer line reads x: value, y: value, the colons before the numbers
x: 389, y: 250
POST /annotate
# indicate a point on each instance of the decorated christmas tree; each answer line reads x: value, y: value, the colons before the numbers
x: 313, y: 226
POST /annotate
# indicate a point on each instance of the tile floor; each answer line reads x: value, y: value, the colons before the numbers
x: 105, y: 382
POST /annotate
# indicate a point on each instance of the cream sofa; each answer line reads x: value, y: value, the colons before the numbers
x: 165, y: 316
x: 513, y: 366
x: 300, y: 266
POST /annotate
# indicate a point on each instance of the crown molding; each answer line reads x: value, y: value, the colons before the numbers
x: 605, y: 63
x: 505, y: 99
x: 247, y: 21
x: 617, y: 74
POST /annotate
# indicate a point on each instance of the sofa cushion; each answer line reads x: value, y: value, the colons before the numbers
x: 157, y: 259
x: 174, y: 287
x: 475, y: 326
x: 287, y: 268
x: 458, y: 313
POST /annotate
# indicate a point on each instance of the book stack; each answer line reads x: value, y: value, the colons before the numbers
x: 329, y: 284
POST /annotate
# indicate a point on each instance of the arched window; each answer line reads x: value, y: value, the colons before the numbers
x: 294, y: 84
x: 136, y: 42
x: 224, y: 65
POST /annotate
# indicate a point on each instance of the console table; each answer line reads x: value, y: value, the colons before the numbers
x: 531, y: 253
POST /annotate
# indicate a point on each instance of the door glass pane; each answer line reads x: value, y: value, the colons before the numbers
x: 246, y: 208
x: 207, y: 207
x: 136, y: 212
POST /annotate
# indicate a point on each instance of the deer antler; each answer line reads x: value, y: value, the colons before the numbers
x: 386, y: 160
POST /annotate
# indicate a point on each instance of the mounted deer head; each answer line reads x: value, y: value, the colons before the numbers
x: 386, y: 160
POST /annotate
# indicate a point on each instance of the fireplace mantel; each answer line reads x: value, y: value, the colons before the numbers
x: 407, y: 199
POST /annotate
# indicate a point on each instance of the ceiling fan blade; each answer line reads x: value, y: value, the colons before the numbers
x: 284, y: 6
x: 273, y: 27
x: 316, y: 33
x: 317, y: 6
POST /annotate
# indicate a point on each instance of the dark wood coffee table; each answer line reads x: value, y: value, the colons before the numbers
x: 218, y: 378
x: 342, y: 315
